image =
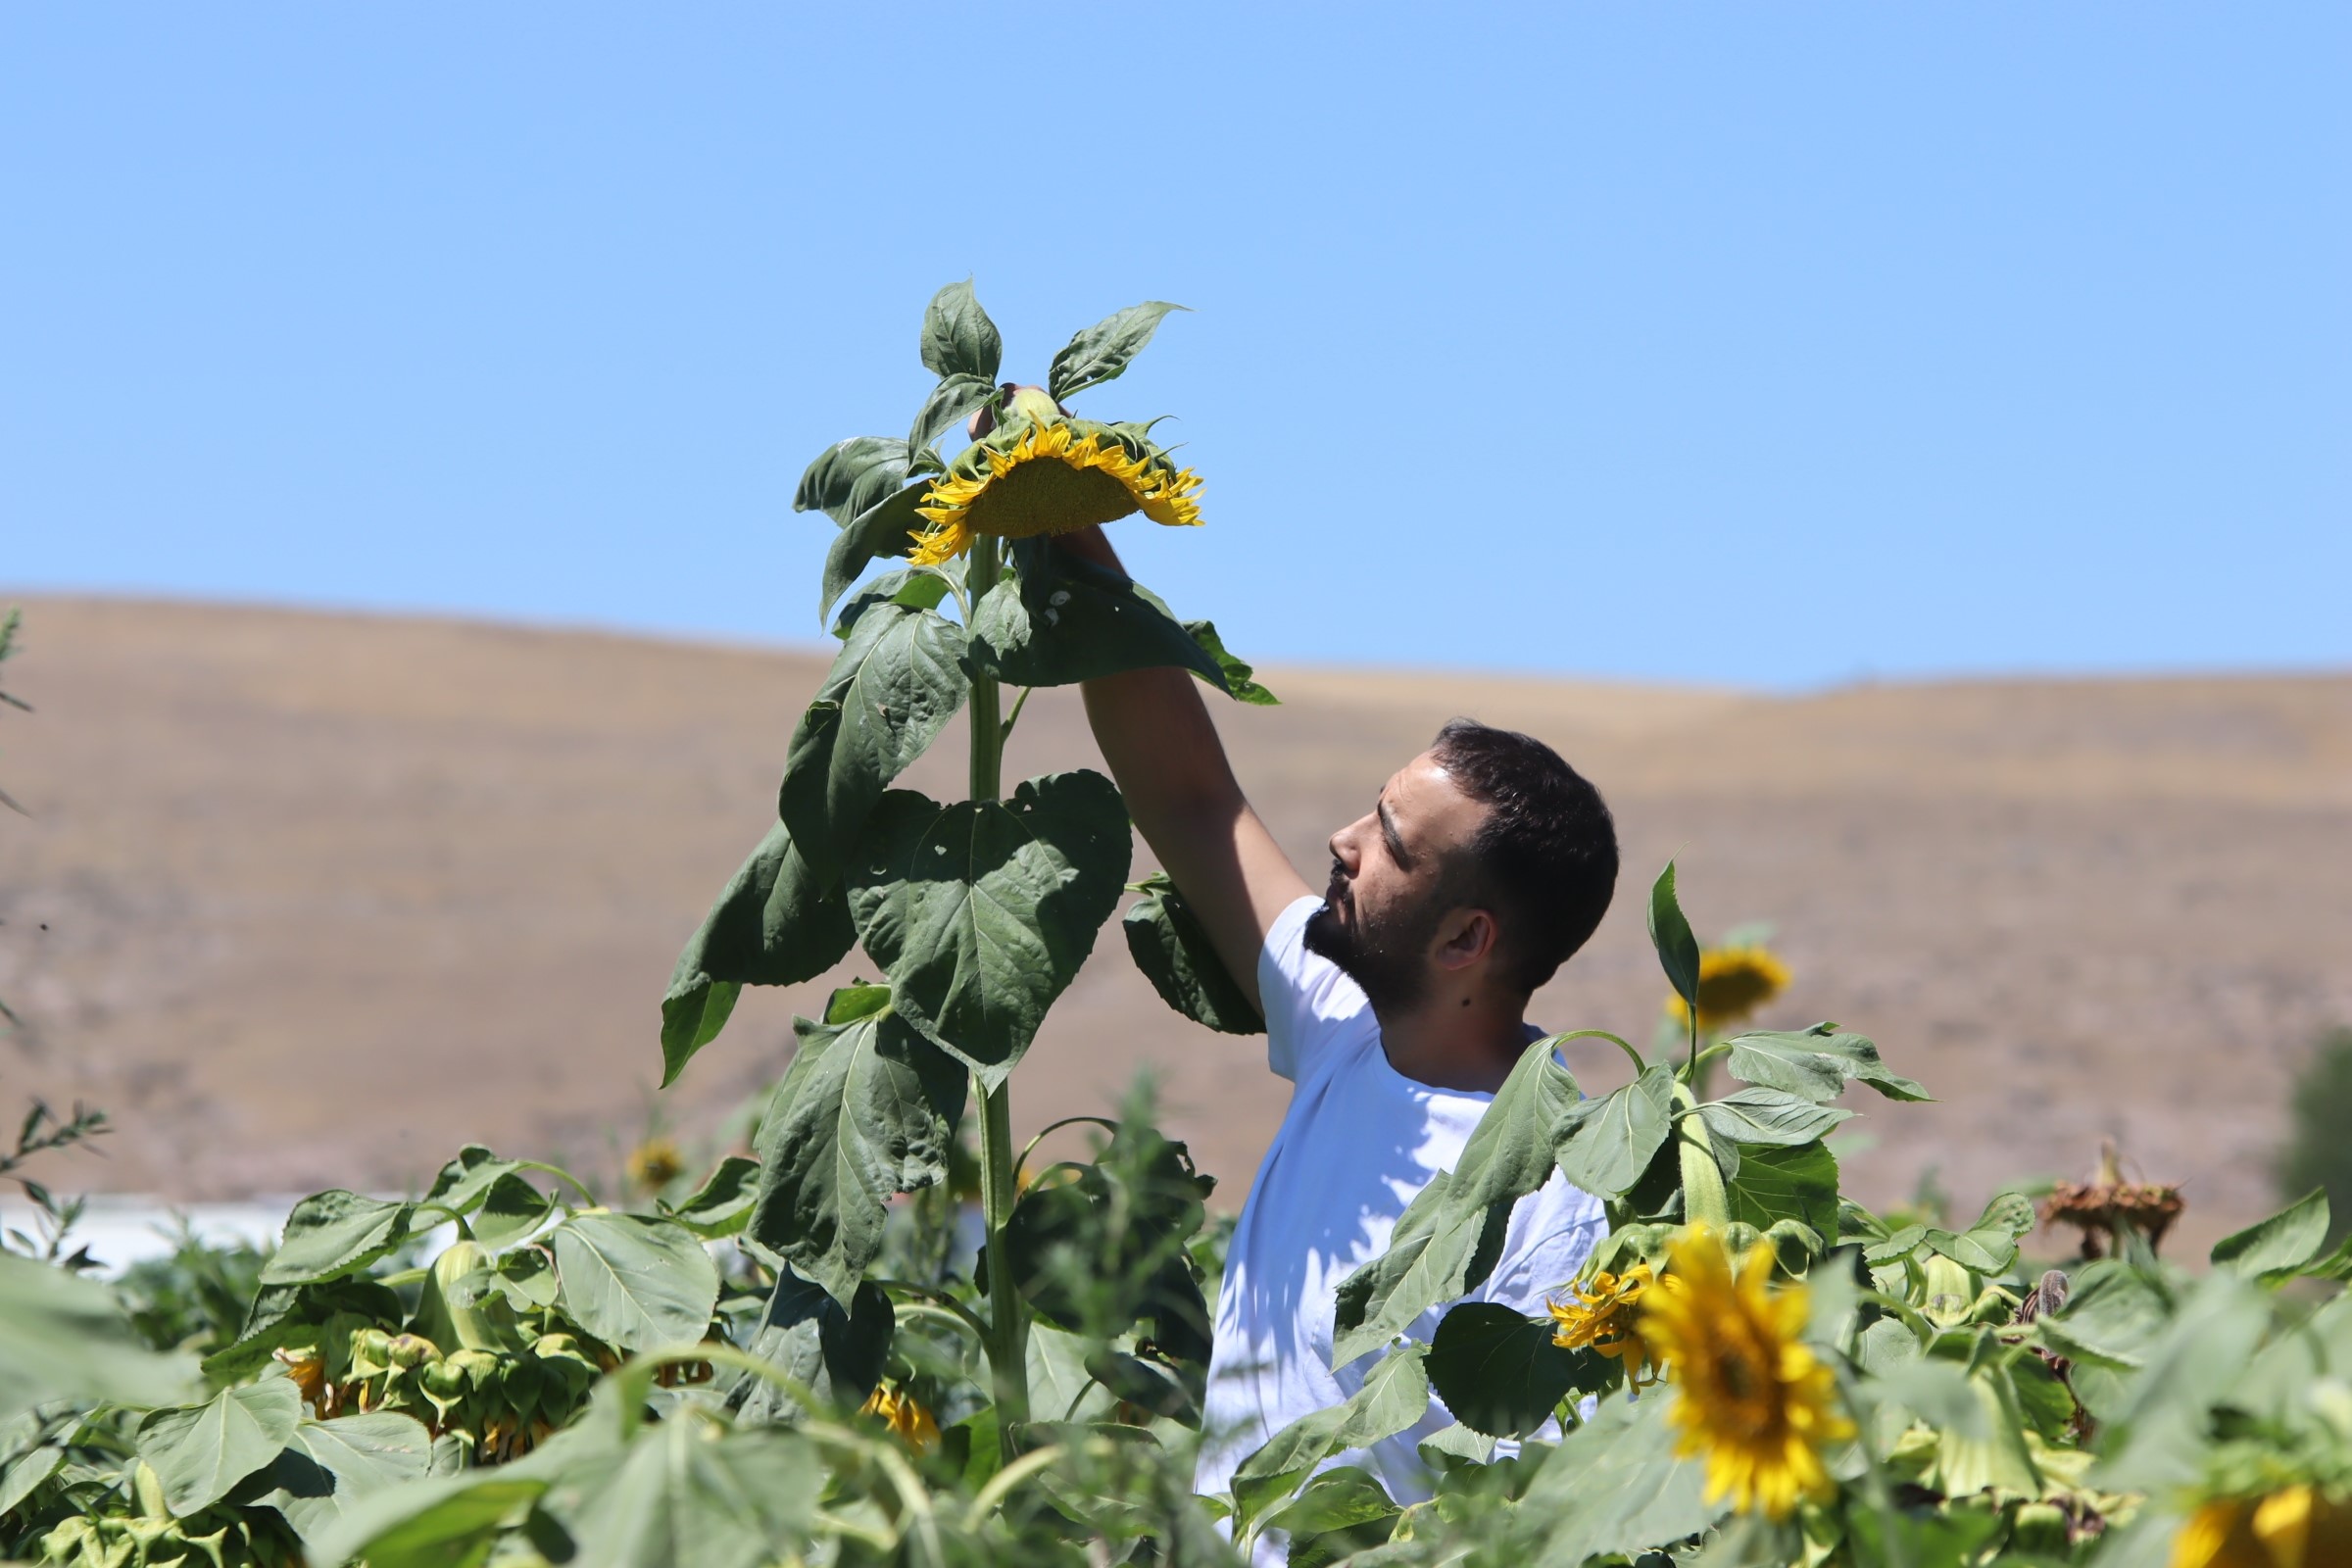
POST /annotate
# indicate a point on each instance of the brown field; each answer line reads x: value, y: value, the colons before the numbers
x: 310, y: 900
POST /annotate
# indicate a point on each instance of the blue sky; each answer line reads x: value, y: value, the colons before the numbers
x: 1774, y: 345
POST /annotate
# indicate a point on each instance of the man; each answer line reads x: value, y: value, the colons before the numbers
x: 1395, y: 1004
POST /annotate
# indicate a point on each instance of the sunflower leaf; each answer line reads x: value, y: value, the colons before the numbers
x: 983, y: 910
x: 955, y: 397
x: 1604, y: 1144
x: 1616, y: 1487
x: 1816, y: 1064
x: 1499, y: 1371
x: 1450, y: 1235
x: 1102, y: 352
x: 850, y: 475
x: 835, y: 1354
x: 958, y: 338
x: 897, y: 681
x: 1769, y: 1116
x: 884, y: 529
x: 1670, y: 933
x: 776, y: 923
x: 1060, y: 620
x: 866, y: 1110
x: 1775, y: 1184
x: 1238, y: 681
x: 1394, y: 1396
x: 1173, y: 949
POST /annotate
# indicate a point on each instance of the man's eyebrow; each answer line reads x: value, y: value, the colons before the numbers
x: 1387, y: 831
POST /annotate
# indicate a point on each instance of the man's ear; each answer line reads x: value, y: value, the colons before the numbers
x: 1466, y: 937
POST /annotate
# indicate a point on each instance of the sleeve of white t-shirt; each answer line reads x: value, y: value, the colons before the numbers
x: 1303, y: 995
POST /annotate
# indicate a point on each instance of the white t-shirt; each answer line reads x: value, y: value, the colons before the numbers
x: 1359, y: 1142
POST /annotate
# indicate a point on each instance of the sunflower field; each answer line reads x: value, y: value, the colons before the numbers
x: 889, y: 1335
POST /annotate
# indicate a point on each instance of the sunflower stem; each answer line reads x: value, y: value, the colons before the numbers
x: 1007, y: 1320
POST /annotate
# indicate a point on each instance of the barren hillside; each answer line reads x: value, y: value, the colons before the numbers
x: 310, y: 900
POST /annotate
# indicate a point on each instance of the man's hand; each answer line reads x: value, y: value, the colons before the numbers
x: 1155, y: 735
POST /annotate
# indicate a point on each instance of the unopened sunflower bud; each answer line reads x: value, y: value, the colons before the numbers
x: 408, y: 1351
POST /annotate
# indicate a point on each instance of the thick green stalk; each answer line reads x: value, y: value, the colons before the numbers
x: 1008, y: 1318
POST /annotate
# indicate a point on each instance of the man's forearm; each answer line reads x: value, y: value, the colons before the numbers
x: 1157, y: 735
x: 1154, y: 732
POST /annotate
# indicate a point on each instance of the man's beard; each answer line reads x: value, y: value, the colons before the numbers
x: 1388, y: 959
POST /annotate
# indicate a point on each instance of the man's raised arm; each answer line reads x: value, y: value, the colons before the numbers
x: 1155, y: 734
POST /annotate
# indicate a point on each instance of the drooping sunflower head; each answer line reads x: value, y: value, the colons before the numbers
x: 1733, y: 983
x: 1604, y: 1316
x: 1051, y: 476
x: 1751, y: 1398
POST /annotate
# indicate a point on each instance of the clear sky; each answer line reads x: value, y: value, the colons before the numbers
x: 1768, y: 344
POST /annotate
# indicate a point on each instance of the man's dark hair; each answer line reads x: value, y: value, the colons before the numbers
x: 1545, y: 858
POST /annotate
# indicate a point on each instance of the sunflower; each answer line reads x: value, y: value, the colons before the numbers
x: 1733, y: 982
x: 1055, y: 478
x: 654, y: 1164
x: 2295, y: 1527
x: 908, y: 1421
x: 1752, y: 1398
x: 1604, y: 1317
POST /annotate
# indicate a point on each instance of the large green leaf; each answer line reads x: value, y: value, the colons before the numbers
x: 1816, y: 1064
x: 1058, y: 620
x: 883, y: 531
x: 1769, y: 1116
x: 721, y: 1205
x: 441, y: 1521
x: 1604, y: 1144
x: 1342, y: 1509
x: 866, y: 1110
x: 1670, y: 934
x: 201, y: 1451
x: 1103, y: 351
x: 1774, y: 1184
x: 2279, y: 1246
x: 958, y: 338
x: 466, y: 1181
x: 636, y: 1283
x: 291, y: 1314
x: 335, y: 1233
x: 1990, y: 1245
x: 1395, y: 1395
x: 1450, y: 1235
x: 1499, y: 1371
x: 2160, y: 1436
x: 328, y: 1466
x: 955, y: 397
x: 896, y: 684
x: 1171, y: 947
x: 687, y: 1496
x: 983, y: 911
x: 2114, y: 1313
x: 834, y: 1354
x: 1239, y: 677
x: 850, y: 475
x: 62, y: 1337
x: 1615, y: 1486
x: 776, y: 923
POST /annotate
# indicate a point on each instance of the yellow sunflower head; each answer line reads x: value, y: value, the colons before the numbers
x: 1733, y: 982
x: 654, y: 1164
x: 1051, y: 476
x: 908, y: 1421
x: 2294, y: 1527
x: 1605, y: 1317
x: 1750, y: 1395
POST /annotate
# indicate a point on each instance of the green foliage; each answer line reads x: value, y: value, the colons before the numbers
x: 848, y: 1382
x: 1173, y: 949
x: 2316, y: 1152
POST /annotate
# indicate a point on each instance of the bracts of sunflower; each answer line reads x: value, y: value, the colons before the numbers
x: 1037, y: 471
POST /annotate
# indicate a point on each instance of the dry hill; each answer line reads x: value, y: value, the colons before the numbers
x: 310, y: 900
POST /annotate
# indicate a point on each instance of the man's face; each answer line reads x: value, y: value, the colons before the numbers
x: 1390, y: 886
